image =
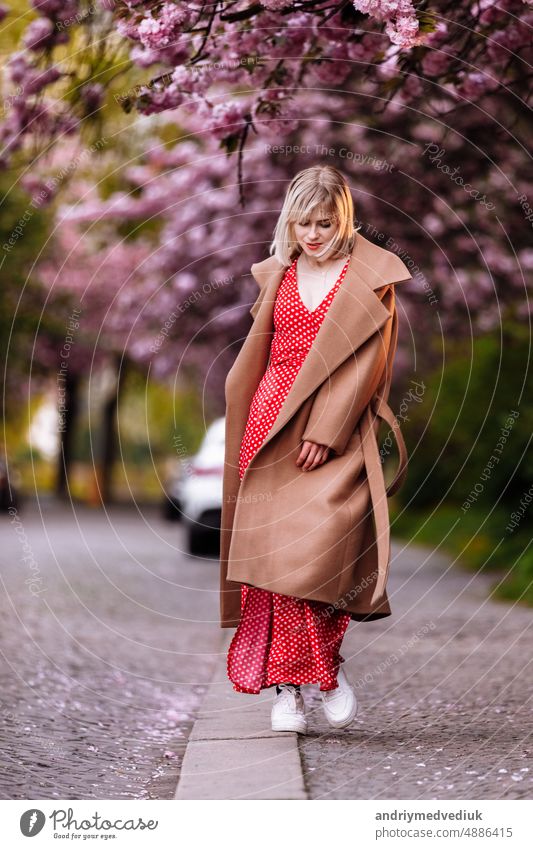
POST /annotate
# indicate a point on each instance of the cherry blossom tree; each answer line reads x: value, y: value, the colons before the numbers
x: 246, y: 67
x: 91, y: 280
x: 424, y: 106
x: 438, y: 92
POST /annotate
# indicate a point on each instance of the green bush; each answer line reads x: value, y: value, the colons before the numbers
x: 470, y: 460
x: 456, y: 430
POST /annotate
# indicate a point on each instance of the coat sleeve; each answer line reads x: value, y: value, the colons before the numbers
x: 342, y: 398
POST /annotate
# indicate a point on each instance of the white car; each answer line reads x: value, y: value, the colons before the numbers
x: 201, y: 490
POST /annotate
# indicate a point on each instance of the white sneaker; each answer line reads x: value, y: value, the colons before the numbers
x: 288, y: 710
x: 340, y: 704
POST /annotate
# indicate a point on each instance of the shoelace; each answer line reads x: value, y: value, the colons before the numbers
x: 288, y: 693
x: 337, y: 693
x: 332, y: 695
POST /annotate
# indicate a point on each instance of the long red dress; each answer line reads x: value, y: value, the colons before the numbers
x: 281, y: 638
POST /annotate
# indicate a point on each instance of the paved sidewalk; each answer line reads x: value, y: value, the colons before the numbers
x: 445, y: 694
x: 232, y: 752
x: 445, y: 705
x: 101, y: 674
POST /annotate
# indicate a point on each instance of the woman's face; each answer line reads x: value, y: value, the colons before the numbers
x: 315, y: 234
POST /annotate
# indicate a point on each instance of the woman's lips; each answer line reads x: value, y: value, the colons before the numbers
x: 312, y: 246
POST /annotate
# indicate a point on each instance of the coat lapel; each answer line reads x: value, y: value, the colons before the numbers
x: 355, y: 313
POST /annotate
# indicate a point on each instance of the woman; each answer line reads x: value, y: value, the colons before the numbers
x: 303, y: 396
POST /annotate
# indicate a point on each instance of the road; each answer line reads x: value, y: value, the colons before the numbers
x: 109, y: 635
x: 445, y: 692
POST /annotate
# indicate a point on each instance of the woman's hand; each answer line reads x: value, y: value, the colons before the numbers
x: 312, y: 455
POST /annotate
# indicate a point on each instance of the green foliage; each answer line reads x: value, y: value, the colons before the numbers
x: 519, y: 584
x: 156, y: 425
x: 452, y: 436
x: 427, y: 21
x: 153, y: 418
x: 457, y: 428
x: 478, y: 540
x: 15, y: 24
x: 23, y: 232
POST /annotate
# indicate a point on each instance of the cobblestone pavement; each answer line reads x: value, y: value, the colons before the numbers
x: 109, y: 637
x: 445, y: 691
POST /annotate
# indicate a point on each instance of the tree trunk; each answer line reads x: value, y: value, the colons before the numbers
x: 109, y: 434
x: 67, y: 431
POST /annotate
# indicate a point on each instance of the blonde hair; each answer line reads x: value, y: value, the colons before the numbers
x: 319, y: 187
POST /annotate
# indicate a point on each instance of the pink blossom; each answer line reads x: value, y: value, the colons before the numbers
x: 401, y: 23
x: 128, y: 28
x: 435, y: 63
x: 18, y: 68
x: 366, y: 48
x: 276, y: 5
x: 475, y: 84
x: 150, y: 101
x: 40, y: 191
x: 226, y: 119
x: 144, y: 57
x: 329, y: 73
x: 39, y: 33
x: 48, y: 7
x: 36, y: 80
x: 278, y: 124
x: 194, y: 79
x: 92, y: 96
x: 160, y: 31
x: 403, y: 31
x: 412, y: 88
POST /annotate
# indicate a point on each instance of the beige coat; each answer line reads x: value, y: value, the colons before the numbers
x: 321, y: 534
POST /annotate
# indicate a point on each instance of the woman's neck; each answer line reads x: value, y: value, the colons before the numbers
x: 319, y: 267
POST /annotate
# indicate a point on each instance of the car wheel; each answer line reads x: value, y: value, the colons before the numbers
x: 171, y: 510
x: 203, y: 537
x: 196, y: 539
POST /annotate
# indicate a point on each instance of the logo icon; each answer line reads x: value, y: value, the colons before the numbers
x: 32, y: 822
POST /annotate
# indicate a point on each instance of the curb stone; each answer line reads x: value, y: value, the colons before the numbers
x: 232, y: 752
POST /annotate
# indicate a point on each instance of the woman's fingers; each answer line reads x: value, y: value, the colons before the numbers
x: 306, y: 454
x: 315, y: 461
x: 310, y: 460
x: 312, y: 455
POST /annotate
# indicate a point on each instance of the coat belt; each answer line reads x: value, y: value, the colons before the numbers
x: 378, y: 491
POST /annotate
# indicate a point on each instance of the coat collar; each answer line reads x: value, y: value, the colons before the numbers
x: 355, y: 313
x: 375, y: 265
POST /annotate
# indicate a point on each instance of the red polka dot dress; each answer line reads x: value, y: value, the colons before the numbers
x: 281, y: 638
